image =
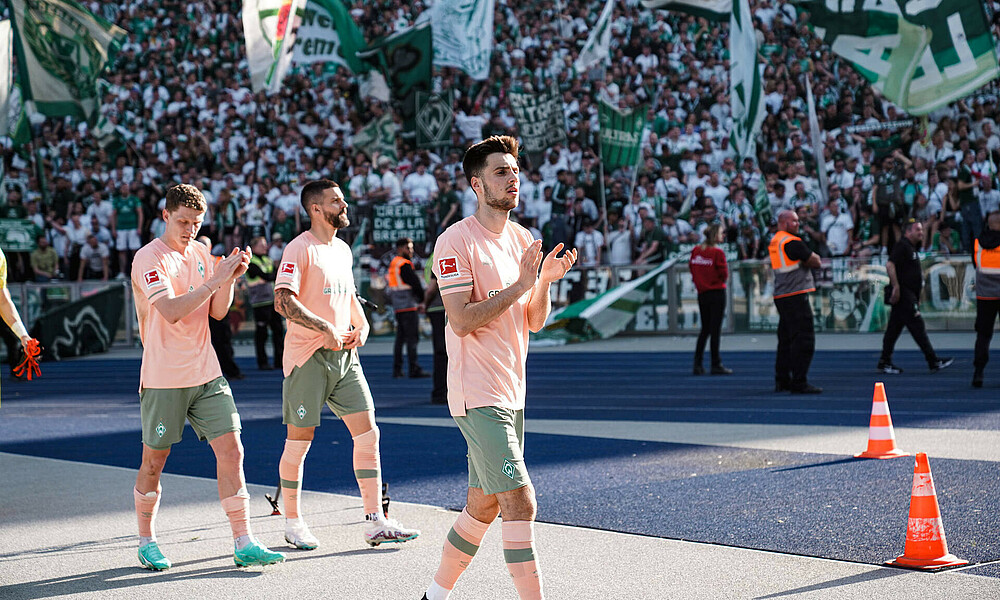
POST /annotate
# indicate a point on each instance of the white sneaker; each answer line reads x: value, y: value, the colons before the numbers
x: 388, y: 531
x: 298, y: 535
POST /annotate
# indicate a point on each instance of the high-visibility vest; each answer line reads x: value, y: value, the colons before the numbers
x: 400, y: 294
x: 987, y: 272
x: 261, y: 290
x: 791, y: 277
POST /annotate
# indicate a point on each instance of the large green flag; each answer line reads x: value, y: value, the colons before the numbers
x: 920, y: 57
x: 746, y: 98
x: 327, y: 33
x: 621, y: 135
x: 715, y: 10
x: 405, y: 59
x: 377, y: 138
x: 61, y: 49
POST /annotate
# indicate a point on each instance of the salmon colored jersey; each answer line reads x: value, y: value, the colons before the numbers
x: 3, y: 270
x: 486, y: 367
x: 178, y: 355
x: 321, y: 276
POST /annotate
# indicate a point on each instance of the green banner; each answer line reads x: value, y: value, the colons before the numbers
x: 86, y: 326
x: 393, y: 221
x: 377, y: 138
x: 17, y: 235
x: 61, y: 49
x: 922, y: 57
x: 621, y: 135
x: 434, y: 121
x: 715, y: 10
x: 404, y: 59
x: 746, y: 97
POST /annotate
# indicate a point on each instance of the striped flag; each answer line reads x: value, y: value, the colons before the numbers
x: 621, y: 134
x: 598, y: 46
x: 817, y: 143
x: 745, y: 95
x: 714, y: 10
x: 267, y: 28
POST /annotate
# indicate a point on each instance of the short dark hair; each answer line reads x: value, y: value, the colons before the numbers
x: 475, y: 157
x: 403, y: 242
x: 312, y: 192
x: 185, y: 195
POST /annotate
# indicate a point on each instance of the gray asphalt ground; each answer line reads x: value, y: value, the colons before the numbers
x: 67, y: 530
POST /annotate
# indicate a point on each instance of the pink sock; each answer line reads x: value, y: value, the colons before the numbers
x: 368, y: 470
x: 459, y: 548
x: 238, y: 510
x: 290, y: 471
x: 145, y: 511
x: 519, y: 553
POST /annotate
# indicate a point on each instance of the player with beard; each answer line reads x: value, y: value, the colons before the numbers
x: 493, y: 294
x: 314, y: 290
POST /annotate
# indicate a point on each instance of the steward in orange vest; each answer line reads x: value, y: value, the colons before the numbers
x: 986, y: 257
x: 406, y: 293
x: 792, y: 262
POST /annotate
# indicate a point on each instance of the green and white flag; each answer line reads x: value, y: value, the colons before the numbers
x: 598, y: 47
x: 746, y: 99
x: 817, y: 143
x: 377, y: 138
x: 327, y: 33
x: 463, y: 34
x: 405, y: 59
x: 61, y: 49
x: 268, y: 28
x: 762, y: 209
x: 922, y: 57
x: 603, y: 316
x: 621, y: 135
x: 714, y: 10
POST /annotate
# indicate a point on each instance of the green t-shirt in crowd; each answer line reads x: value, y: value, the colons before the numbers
x: 125, y: 207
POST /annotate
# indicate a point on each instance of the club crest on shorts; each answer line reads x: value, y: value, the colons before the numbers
x: 301, y: 412
x: 508, y: 468
x: 448, y: 267
x: 161, y: 429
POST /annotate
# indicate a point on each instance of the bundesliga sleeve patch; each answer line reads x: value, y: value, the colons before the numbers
x: 287, y: 268
x: 448, y: 268
x: 152, y: 278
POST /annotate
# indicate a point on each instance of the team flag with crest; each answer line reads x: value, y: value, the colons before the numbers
x: 61, y: 49
x: 598, y: 46
x: 463, y: 34
x: 268, y: 27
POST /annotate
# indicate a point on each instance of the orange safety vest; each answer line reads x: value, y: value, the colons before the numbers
x: 987, y: 272
x: 791, y: 277
x: 400, y: 294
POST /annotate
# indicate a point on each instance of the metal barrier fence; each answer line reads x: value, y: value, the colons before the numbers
x: 849, y: 298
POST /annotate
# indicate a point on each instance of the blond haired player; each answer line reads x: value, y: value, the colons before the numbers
x: 314, y: 290
x: 487, y: 270
x: 177, y: 285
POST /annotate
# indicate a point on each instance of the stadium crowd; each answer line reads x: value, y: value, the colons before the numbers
x: 179, y: 109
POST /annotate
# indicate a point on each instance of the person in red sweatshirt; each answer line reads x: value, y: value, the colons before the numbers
x: 710, y: 273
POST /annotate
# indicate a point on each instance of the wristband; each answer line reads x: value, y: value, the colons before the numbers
x: 19, y: 330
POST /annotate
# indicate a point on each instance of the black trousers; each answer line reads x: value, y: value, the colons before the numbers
x: 796, y: 340
x: 266, y: 318
x: 222, y: 341
x: 906, y: 313
x: 712, y: 306
x: 439, y: 391
x: 407, y: 334
x: 986, y: 318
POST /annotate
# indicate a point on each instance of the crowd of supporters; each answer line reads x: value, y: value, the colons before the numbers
x: 177, y: 108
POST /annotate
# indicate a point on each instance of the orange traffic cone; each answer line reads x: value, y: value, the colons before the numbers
x: 926, y: 547
x: 881, y: 438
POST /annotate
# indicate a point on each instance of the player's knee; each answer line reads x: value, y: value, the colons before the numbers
x: 153, y: 462
x: 231, y: 453
x: 368, y: 439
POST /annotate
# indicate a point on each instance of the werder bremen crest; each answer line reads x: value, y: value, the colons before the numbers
x: 63, y: 46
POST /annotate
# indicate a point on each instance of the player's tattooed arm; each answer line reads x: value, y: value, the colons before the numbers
x: 289, y: 307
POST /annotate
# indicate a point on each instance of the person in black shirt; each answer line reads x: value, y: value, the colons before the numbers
x: 906, y: 280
